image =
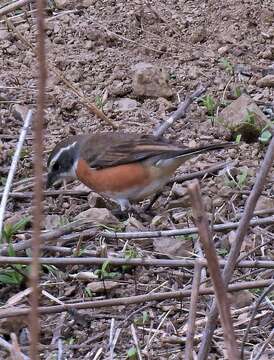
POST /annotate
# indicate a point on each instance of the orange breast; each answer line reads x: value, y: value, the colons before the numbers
x: 113, y: 179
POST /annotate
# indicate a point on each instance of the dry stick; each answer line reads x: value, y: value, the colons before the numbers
x: 258, y: 302
x: 236, y: 247
x: 180, y: 112
x: 201, y: 220
x: 82, y: 98
x: 47, y: 237
x: 15, y: 5
x: 138, y: 299
x: 13, y: 166
x: 135, y: 339
x: 264, y: 264
x: 29, y: 194
x: 6, y: 345
x: 193, y: 310
x: 38, y: 184
x: 25, y: 244
x: 268, y: 341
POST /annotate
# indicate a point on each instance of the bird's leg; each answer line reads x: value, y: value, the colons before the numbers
x: 65, y: 184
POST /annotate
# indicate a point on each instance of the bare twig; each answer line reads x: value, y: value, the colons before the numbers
x: 192, y: 311
x: 268, y: 341
x: 138, y: 299
x: 38, y: 185
x: 186, y: 231
x: 15, y: 352
x: 180, y: 112
x: 235, y: 251
x: 135, y: 339
x: 263, y: 264
x: 214, y: 270
x: 29, y: 195
x: 258, y: 302
x: 13, y: 166
x: 6, y: 345
x: 47, y: 237
x: 13, y: 6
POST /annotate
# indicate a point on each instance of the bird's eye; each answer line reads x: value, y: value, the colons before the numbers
x: 56, y: 166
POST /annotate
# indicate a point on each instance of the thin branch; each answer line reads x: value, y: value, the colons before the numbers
x: 268, y: 341
x: 138, y: 299
x: 180, y: 112
x: 213, y: 266
x: 263, y: 264
x: 193, y: 310
x: 13, y: 6
x: 13, y: 166
x: 69, y: 228
x: 38, y: 184
x: 235, y: 250
x: 6, y: 345
x: 258, y: 302
x: 136, y: 342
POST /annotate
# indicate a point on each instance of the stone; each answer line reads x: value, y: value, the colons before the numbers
x: 241, y: 298
x: 64, y: 4
x: 172, y: 246
x: 264, y: 203
x: 223, y: 50
x: 150, y: 81
x: 98, y: 216
x: 19, y: 112
x: 243, y: 117
x: 5, y: 35
x: 54, y: 221
x: 126, y: 104
x: 97, y: 201
x: 101, y: 287
x: 266, y: 81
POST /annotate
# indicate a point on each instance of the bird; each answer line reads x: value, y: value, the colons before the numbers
x: 125, y: 167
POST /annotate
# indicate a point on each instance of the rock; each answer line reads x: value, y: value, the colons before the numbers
x: 100, y: 286
x: 199, y: 35
x: 126, y: 104
x: 223, y: 50
x: 172, y: 246
x: 150, y: 81
x: 54, y: 221
x: 88, y: 3
x: 5, y: 35
x: 266, y: 81
x: 268, y: 53
x: 97, y: 201
x: 241, y: 298
x: 98, y: 216
x: 243, y: 117
x: 64, y: 4
x: 264, y: 202
x: 19, y: 112
x: 119, y: 88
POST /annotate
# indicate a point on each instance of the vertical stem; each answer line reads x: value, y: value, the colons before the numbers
x: 38, y: 184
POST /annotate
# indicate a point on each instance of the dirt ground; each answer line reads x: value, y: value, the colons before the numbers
x: 96, y: 45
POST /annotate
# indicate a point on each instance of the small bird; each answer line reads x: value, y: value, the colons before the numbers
x: 125, y: 167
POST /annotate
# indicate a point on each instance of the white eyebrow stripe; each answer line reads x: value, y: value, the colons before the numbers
x: 54, y: 159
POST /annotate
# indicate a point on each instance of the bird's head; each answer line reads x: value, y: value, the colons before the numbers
x: 62, y: 163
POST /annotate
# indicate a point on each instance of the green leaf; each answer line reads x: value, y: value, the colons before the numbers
x: 265, y: 137
x: 132, y: 353
x: 12, y: 278
x: 238, y: 138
